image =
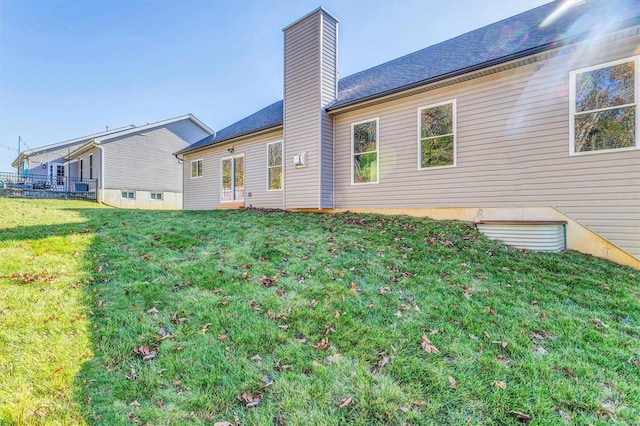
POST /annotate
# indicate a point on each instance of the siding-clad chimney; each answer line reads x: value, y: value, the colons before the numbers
x: 310, y: 80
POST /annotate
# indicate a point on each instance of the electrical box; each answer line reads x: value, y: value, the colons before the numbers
x: 300, y: 160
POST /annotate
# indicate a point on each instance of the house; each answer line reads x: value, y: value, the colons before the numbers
x: 48, y: 161
x: 130, y: 167
x: 135, y: 168
x: 525, y: 126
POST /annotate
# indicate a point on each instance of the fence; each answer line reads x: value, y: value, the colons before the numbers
x: 47, y: 186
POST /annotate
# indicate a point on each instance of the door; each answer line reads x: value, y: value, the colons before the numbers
x: 232, y: 178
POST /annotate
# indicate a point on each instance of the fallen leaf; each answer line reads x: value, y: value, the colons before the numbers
x: 146, y: 353
x: 541, y: 351
x: 256, y: 358
x: 452, y: 382
x: 248, y: 399
x: 153, y: 311
x: 280, y: 368
x: 599, y: 323
x: 133, y: 373
x: 336, y: 314
x: 428, y: 346
x: 322, y: 344
x: 345, y: 402
x: 490, y: 311
x: 521, y: 416
x: 135, y: 403
x: 205, y: 328
x: 221, y: 336
x: 222, y: 424
x: 398, y: 314
x: 381, y: 363
x: 499, y: 384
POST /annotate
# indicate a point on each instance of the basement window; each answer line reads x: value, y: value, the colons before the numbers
x: 156, y: 196
x: 128, y: 195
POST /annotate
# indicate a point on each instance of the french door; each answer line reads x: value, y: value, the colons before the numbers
x: 232, y: 178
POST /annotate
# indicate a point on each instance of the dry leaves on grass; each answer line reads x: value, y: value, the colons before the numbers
x: 322, y: 344
x: 248, y: 399
x: 384, y: 360
x: 145, y: 353
x: 428, y: 346
x: 599, y: 323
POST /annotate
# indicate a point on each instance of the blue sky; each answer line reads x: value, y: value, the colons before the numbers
x: 69, y: 68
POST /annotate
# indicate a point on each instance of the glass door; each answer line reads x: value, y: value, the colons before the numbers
x: 232, y: 178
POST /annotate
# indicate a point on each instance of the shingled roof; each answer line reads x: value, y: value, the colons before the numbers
x: 545, y: 27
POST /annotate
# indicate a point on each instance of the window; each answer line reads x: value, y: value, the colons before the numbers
x: 437, y: 135
x: 274, y: 166
x: 81, y: 169
x: 196, y: 169
x: 603, y: 107
x: 128, y: 195
x: 91, y: 166
x: 364, y: 148
x: 156, y: 196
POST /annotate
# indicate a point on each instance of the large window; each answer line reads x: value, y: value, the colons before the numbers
x: 364, y: 149
x: 603, y: 107
x: 437, y: 135
x: 196, y: 169
x: 274, y: 166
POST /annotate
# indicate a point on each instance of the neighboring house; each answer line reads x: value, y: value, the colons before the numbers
x: 529, y: 119
x: 135, y: 168
x: 48, y: 161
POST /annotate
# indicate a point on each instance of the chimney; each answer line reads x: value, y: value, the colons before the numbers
x: 310, y: 84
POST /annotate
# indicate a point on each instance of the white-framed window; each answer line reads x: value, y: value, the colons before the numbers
x: 156, y: 196
x: 437, y: 135
x: 364, y: 151
x: 232, y: 178
x: 91, y: 166
x: 274, y: 166
x: 603, y: 107
x: 196, y: 169
x: 128, y: 195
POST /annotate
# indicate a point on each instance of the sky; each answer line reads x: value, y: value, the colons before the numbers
x: 70, y: 68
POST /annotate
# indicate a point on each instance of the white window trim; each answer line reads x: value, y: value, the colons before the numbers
x: 572, y: 106
x: 201, y: 169
x: 377, y: 151
x: 281, y: 165
x: 233, y: 171
x: 156, y: 199
x: 127, y: 192
x: 454, y: 111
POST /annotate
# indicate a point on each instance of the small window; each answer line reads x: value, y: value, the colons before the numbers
x: 128, y: 195
x: 603, y: 107
x: 364, y: 152
x: 196, y: 169
x: 81, y: 169
x: 91, y: 166
x: 437, y: 135
x: 274, y: 166
x: 156, y: 196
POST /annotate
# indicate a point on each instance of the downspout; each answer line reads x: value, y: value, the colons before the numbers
x: 101, y: 180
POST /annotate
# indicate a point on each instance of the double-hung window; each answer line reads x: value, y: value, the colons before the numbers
x: 274, y: 166
x: 437, y: 135
x: 603, y: 113
x: 364, y: 152
x: 196, y: 169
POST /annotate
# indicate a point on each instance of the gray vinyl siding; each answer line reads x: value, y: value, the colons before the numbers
x: 144, y: 161
x: 329, y: 80
x: 309, y: 84
x: 204, y: 193
x: 512, y: 150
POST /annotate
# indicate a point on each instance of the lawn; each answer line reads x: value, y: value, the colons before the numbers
x: 276, y: 318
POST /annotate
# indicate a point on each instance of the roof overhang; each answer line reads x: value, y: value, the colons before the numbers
x: 234, y: 139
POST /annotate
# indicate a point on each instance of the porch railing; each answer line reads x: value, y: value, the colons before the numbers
x: 47, y: 186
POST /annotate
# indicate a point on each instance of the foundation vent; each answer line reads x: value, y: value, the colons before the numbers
x: 530, y: 235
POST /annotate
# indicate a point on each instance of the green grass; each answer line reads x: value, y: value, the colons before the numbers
x: 552, y: 336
